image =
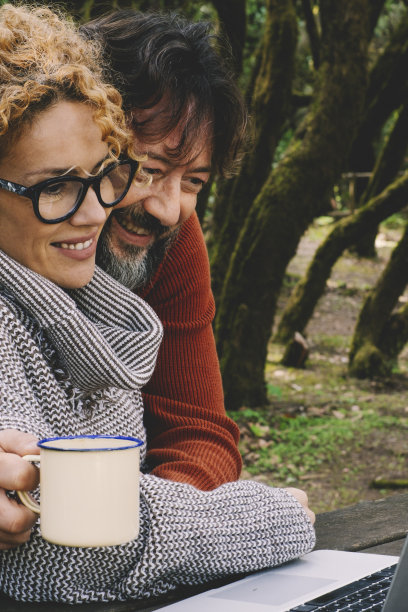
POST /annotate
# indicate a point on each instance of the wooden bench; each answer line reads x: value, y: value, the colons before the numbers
x: 375, y: 526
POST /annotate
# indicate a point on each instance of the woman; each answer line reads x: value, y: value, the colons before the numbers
x: 75, y: 346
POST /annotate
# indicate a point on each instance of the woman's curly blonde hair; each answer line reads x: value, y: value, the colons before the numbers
x: 43, y: 59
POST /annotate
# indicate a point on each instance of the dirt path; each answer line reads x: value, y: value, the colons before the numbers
x: 371, y: 417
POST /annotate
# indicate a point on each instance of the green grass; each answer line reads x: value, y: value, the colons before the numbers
x: 273, y: 390
x: 331, y: 342
x: 293, y: 447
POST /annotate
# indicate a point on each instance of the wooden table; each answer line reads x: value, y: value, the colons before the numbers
x: 376, y: 527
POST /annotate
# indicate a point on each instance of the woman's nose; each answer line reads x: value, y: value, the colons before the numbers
x: 90, y: 212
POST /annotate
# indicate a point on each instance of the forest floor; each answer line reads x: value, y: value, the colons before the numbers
x: 323, y: 431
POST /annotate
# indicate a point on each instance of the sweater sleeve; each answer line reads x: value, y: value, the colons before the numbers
x: 190, y: 437
x: 187, y: 537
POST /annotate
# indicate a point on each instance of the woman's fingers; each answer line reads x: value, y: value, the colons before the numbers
x: 16, y: 520
x: 302, y: 498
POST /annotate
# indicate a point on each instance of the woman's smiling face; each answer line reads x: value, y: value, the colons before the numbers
x: 63, y: 139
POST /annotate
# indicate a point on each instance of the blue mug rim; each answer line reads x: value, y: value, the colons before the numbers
x: 133, y: 443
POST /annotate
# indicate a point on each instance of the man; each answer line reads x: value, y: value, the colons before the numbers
x: 189, y: 120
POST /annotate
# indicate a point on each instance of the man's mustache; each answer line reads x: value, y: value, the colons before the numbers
x: 141, y: 219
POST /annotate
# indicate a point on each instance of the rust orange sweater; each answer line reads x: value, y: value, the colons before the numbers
x: 190, y: 437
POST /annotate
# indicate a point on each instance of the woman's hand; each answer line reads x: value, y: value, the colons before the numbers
x: 16, y: 520
x: 302, y: 498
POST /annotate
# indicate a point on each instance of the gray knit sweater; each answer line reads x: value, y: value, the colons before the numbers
x: 73, y: 362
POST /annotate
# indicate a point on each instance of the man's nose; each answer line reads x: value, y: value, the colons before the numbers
x: 164, y: 202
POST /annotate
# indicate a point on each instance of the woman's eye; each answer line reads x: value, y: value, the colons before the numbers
x: 55, y: 190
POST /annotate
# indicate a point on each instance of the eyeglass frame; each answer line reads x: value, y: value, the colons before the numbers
x: 33, y: 192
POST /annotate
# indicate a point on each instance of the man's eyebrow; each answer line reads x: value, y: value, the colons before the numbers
x: 73, y: 170
x: 201, y: 169
x: 170, y: 162
x: 161, y: 158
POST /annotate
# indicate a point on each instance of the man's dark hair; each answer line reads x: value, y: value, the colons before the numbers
x: 159, y: 57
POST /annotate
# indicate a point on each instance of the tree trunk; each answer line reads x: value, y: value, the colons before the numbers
x: 232, y: 15
x: 365, y: 244
x: 394, y: 336
x: 366, y: 359
x: 391, y: 158
x: 386, y: 92
x: 203, y: 199
x: 385, y: 170
x: 312, y: 32
x: 287, y: 203
x: 270, y: 102
x: 347, y: 232
x: 376, y: 6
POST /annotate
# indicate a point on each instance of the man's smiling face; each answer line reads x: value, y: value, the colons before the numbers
x: 135, y: 238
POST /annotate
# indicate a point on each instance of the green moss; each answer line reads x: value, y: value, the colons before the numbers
x: 369, y: 362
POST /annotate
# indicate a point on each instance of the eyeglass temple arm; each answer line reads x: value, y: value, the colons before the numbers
x: 13, y: 187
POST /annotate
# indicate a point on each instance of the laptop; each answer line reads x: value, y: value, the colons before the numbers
x: 322, y: 580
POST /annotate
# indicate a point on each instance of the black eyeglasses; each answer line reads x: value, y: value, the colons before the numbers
x: 57, y: 199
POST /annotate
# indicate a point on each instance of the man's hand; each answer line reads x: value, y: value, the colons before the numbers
x: 16, y: 474
x: 302, y: 498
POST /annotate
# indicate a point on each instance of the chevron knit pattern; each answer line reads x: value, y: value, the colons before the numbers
x: 73, y: 362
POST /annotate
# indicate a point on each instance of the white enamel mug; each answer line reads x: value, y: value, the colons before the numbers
x: 89, y: 488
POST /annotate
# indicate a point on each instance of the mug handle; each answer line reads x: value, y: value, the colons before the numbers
x: 26, y: 499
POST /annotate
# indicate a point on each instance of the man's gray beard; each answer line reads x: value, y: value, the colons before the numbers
x: 136, y: 266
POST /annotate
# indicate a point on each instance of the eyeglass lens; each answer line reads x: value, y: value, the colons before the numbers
x: 59, y: 198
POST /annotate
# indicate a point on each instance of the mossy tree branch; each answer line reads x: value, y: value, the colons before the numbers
x: 387, y: 91
x: 348, y: 231
x: 270, y: 102
x: 289, y: 201
x: 366, y: 359
x: 394, y: 336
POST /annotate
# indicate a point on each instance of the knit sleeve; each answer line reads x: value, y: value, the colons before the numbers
x: 15, y: 390
x: 190, y: 437
x: 187, y: 537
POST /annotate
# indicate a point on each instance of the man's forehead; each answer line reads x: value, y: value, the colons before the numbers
x: 167, y: 152
x: 201, y: 161
x: 170, y: 150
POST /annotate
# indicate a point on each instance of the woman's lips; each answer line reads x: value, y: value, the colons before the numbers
x: 77, y: 249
